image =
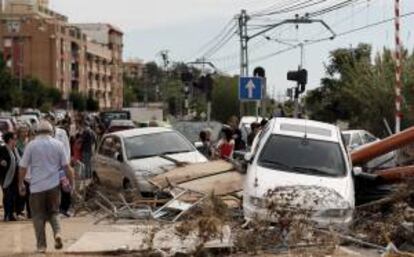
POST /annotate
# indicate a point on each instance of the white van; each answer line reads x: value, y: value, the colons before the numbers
x: 305, y: 160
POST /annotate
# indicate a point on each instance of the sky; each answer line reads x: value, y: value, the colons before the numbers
x: 183, y: 27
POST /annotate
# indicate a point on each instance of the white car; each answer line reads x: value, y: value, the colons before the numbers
x: 31, y: 119
x: 127, y: 159
x: 357, y: 139
x: 306, y: 161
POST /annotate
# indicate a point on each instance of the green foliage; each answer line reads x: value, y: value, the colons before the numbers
x: 225, y: 95
x: 225, y: 98
x: 360, y: 90
x: 78, y: 101
x: 34, y: 94
x: 92, y: 105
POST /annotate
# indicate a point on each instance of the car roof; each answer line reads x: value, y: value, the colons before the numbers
x: 298, y: 127
x: 353, y: 131
x: 140, y: 131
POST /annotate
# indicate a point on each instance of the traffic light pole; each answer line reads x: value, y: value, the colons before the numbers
x: 244, y: 39
x: 296, y: 103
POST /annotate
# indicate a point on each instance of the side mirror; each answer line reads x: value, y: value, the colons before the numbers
x: 248, y: 157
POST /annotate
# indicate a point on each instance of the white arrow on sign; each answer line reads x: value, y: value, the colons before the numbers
x: 250, y: 87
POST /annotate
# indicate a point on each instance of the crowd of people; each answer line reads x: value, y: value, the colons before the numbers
x: 230, y: 141
x: 36, y: 174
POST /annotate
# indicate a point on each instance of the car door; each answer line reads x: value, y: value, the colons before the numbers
x: 116, y: 170
x: 103, y: 160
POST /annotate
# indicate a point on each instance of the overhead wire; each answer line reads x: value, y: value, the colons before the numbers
x: 292, y: 8
x: 341, y: 34
x: 215, y: 38
x: 221, y: 43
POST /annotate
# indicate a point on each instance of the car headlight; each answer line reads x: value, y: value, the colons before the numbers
x: 259, y: 202
x: 335, y: 213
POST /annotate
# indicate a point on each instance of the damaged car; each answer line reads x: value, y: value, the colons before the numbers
x: 300, y: 165
x: 128, y: 159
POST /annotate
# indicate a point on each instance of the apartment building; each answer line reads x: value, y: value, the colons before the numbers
x: 133, y: 68
x: 41, y: 43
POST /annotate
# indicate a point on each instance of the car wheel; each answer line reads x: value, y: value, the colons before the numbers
x: 95, y: 179
x: 126, y: 185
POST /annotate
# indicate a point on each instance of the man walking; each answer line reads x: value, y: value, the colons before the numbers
x: 45, y: 157
x: 9, y: 163
x: 62, y: 136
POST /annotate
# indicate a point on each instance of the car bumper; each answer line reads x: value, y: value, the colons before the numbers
x: 144, y: 185
x: 252, y: 212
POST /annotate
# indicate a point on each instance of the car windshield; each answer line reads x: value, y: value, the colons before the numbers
x: 156, y: 144
x: 303, y: 155
x: 347, y: 138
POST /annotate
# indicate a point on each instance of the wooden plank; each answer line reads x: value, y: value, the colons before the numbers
x: 220, y: 184
x: 191, y: 172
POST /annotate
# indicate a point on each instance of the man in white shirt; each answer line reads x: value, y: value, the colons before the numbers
x: 62, y: 136
x: 45, y: 157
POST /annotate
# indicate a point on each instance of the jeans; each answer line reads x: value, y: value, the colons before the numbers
x: 22, y: 202
x: 86, y: 159
x: 9, y: 200
x: 45, y: 207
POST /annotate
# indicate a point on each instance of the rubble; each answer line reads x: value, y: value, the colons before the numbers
x: 387, y: 220
x: 204, y: 212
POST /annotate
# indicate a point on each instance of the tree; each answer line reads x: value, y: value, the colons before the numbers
x: 225, y: 98
x: 78, y: 101
x: 35, y: 94
x: 360, y: 90
x: 92, y: 104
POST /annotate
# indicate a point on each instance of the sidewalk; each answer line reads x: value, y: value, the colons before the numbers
x: 18, y: 237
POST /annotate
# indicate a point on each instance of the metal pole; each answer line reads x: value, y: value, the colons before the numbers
x: 296, y: 112
x: 398, y: 70
x: 208, y: 113
x: 244, y: 66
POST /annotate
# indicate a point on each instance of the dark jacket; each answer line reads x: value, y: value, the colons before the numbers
x: 5, y: 161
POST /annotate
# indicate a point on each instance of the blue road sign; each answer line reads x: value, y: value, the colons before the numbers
x: 250, y: 88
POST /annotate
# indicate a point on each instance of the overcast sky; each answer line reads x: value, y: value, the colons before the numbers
x: 184, y: 26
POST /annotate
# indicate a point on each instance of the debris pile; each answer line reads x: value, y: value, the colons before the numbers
x: 390, y: 219
x: 203, y: 213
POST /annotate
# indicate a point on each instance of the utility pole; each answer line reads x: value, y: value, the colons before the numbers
x: 296, y: 103
x: 398, y: 69
x: 244, y: 60
x: 244, y: 38
x: 205, y: 63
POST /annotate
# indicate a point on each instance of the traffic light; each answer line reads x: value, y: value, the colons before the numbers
x: 186, y: 76
x: 259, y: 72
x: 300, y: 76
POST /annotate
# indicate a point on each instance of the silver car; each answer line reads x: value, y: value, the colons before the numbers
x: 127, y: 159
x: 357, y: 139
